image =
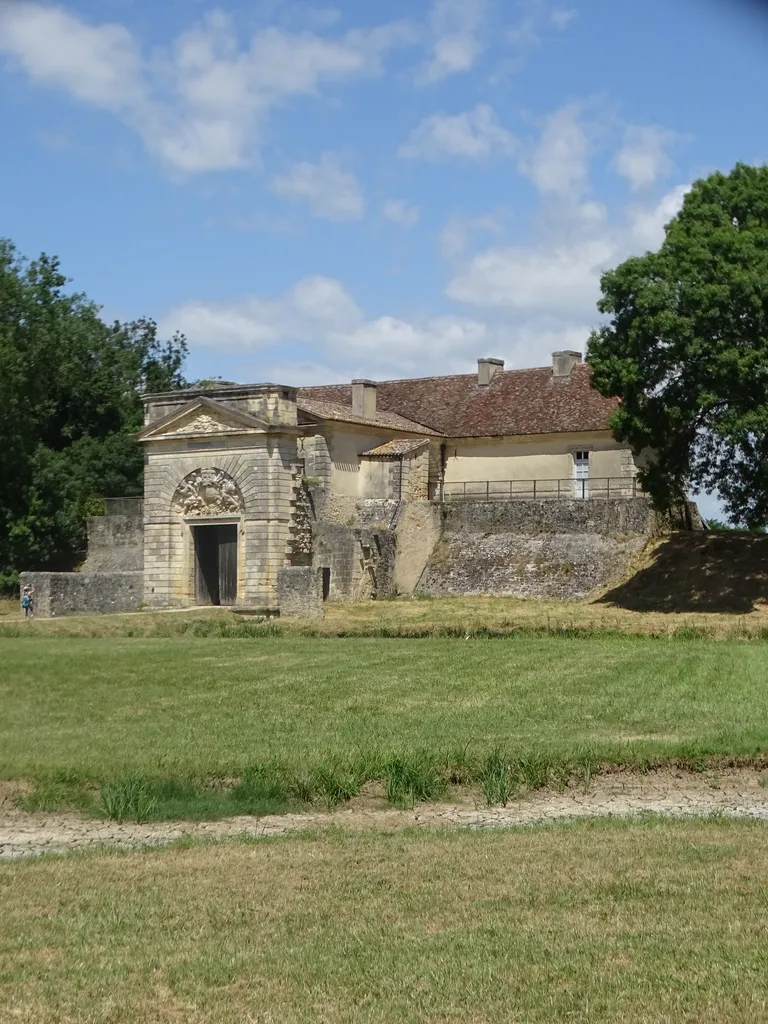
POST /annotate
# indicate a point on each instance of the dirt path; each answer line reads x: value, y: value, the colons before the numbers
x: 732, y: 792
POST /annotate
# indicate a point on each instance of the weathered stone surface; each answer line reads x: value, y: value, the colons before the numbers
x: 615, y: 515
x: 554, y: 549
x: 85, y: 593
x: 361, y: 560
x: 115, y: 544
x: 300, y: 592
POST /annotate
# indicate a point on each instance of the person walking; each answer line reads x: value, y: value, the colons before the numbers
x: 28, y: 602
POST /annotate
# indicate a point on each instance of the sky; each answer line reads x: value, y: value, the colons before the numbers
x: 313, y: 192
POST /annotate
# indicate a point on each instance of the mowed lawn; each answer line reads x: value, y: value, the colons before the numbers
x: 214, y: 707
x: 590, y: 923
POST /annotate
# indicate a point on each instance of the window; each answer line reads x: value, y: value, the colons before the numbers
x: 581, y: 474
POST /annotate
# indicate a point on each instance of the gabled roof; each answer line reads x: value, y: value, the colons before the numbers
x: 213, y: 418
x: 342, y: 411
x: 516, y: 402
x: 403, y: 446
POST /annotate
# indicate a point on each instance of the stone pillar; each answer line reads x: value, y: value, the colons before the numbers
x: 300, y: 592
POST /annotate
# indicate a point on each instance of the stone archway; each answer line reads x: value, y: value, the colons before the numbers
x: 211, y: 504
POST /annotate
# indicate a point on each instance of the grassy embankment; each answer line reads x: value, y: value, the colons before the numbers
x: 591, y: 923
x: 207, y: 727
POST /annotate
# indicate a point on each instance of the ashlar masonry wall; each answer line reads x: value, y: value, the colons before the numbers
x: 264, y: 470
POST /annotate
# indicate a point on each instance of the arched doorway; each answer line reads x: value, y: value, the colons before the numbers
x: 211, y: 504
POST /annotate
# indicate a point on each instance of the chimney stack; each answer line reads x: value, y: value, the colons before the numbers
x: 487, y: 369
x: 564, y: 362
x: 364, y: 399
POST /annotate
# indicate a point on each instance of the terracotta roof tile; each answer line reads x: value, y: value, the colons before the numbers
x: 404, y: 446
x: 330, y: 409
x: 515, y: 402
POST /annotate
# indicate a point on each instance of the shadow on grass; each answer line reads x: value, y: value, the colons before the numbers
x: 699, y: 572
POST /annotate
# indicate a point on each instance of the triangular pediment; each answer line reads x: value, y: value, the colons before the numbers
x: 203, y: 418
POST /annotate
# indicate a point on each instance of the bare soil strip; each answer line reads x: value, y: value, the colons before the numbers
x: 739, y: 792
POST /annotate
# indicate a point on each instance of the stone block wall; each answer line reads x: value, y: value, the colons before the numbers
x: 361, y: 561
x: 554, y: 549
x: 604, y: 516
x: 115, y: 544
x: 85, y: 593
x: 415, y: 479
x: 300, y: 592
x: 266, y: 474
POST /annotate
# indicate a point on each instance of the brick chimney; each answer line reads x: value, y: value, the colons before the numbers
x: 564, y: 362
x: 364, y: 399
x: 487, y: 369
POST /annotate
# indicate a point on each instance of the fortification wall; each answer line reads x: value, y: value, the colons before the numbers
x: 85, y: 593
x: 552, y: 549
x: 115, y: 544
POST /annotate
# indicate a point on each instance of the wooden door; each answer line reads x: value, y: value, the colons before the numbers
x: 216, y: 564
x: 206, y: 565
x: 227, y: 552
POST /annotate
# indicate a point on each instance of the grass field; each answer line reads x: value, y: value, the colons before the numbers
x: 206, y: 714
x: 590, y: 923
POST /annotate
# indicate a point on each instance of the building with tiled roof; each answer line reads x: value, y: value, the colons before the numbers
x: 244, y: 481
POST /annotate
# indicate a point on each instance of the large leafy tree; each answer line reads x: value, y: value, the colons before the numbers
x: 70, y: 404
x: 686, y: 348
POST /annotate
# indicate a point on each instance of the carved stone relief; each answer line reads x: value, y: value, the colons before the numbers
x: 204, y: 424
x: 208, y: 492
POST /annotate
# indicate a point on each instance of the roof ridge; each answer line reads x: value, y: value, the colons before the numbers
x: 438, y: 376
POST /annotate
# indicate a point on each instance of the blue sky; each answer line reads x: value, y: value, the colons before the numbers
x: 313, y: 192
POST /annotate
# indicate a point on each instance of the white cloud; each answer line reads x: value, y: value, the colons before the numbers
x: 647, y: 224
x: 473, y: 135
x: 332, y: 193
x: 456, y: 234
x: 401, y: 212
x: 643, y: 159
x: 200, y: 105
x: 559, y: 163
x: 561, y: 17
x: 561, y: 279
x: 99, y: 65
x: 455, y: 26
x: 306, y: 313
x: 320, y: 313
x: 561, y: 275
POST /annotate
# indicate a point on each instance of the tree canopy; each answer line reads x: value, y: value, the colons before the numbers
x: 70, y: 405
x: 686, y: 348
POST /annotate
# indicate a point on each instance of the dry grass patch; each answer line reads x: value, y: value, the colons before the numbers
x: 406, y: 616
x: 595, y: 922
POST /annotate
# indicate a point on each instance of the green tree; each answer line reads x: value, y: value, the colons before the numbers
x: 686, y: 348
x: 70, y: 405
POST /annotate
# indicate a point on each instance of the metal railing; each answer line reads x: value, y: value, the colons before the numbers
x: 563, y: 488
x: 123, y: 506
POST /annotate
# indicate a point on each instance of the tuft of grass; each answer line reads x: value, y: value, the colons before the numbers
x: 65, y: 789
x: 587, y: 764
x: 535, y: 769
x: 263, y: 789
x: 335, y: 783
x: 127, y: 798
x: 499, y: 780
x: 412, y: 780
